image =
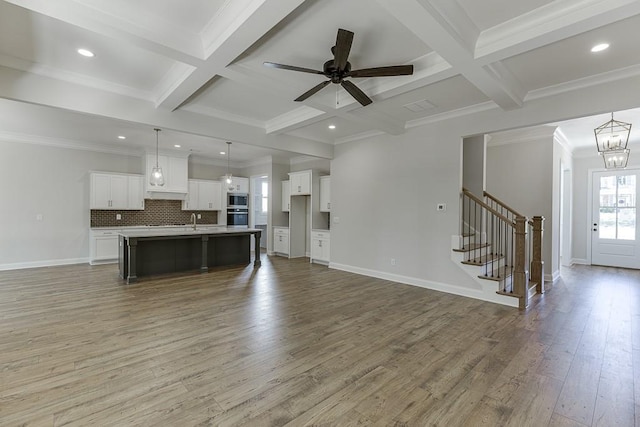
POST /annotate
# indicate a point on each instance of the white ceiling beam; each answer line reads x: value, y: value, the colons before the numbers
x: 447, y: 29
x: 35, y: 89
x: 548, y: 24
x: 172, y: 42
x: 232, y: 31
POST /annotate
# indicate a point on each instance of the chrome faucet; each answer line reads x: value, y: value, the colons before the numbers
x: 193, y: 220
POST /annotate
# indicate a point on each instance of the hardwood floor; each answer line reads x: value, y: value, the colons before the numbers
x: 297, y: 344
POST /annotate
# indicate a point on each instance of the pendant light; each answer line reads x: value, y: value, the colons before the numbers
x: 157, y: 178
x: 228, y: 177
x: 612, y: 135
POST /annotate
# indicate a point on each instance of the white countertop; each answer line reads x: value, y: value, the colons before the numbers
x: 152, y: 227
x: 180, y: 231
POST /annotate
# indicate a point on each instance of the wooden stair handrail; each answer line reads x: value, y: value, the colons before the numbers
x: 501, y: 203
x: 487, y: 207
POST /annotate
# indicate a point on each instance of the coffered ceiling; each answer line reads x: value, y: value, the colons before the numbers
x: 195, y: 68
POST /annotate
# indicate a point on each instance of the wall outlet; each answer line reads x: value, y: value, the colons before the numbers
x: 441, y: 207
x: 199, y: 216
x: 118, y: 217
x: 336, y: 220
x: 39, y: 217
x: 393, y: 261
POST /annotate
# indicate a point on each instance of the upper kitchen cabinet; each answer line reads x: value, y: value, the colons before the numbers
x: 203, y: 196
x: 286, y: 196
x: 238, y: 185
x: 115, y: 191
x: 135, y: 196
x: 325, y: 193
x: 300, y: 183
x: 175, y: 171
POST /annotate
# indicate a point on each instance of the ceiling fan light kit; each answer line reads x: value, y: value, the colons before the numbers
x: 339, y: 68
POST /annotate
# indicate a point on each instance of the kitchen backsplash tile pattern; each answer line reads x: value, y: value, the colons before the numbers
x: 156, y: 212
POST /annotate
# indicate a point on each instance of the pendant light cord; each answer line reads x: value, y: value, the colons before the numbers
x: 157, y: 130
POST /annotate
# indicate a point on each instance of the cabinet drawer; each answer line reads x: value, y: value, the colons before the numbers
x: 322, y: 235
x: 281, y: 231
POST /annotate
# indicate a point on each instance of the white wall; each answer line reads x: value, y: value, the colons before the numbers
x: 53, y: 182
x: 562, y: 161
x: 384, y: 202
x: 521, y: 175
x: 474, y: 164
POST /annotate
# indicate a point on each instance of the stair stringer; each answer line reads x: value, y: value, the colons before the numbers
x: 488, y: 287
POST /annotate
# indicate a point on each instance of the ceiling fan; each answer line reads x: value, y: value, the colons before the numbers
x: 339, y: 68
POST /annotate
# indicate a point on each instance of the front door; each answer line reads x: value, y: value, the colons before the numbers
x: 614, y: 214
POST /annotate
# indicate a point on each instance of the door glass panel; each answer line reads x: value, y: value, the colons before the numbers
x: 617, y: 207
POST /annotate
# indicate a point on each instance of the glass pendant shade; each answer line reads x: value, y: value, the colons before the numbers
x: 616, y: 159
x: 612, y: 135
x: 157, y: 177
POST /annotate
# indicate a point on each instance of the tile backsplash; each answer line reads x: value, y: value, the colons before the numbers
x: 156, y: 212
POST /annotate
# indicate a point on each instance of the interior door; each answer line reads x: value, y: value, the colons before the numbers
x: 614, y: 214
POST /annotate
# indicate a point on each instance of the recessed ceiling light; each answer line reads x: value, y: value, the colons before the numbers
x: 177, y: 145
x: 86, y: 52
x: 223, y: 153
x: 600, y: 47
x: 122, y: 137
x: 332, y: 126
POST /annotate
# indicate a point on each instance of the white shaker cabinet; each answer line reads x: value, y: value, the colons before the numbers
x: 281, y: 240
x: 238, y: 185
x: 325, y: 193
x: 103, y: 246
x: 300, y: 183
x: 135, y: 196
x: 174, y: 170
x: 209, y: 195
x: 109, y: 191
x: 203, y: 195
x: 286, y: 196
x: 320, y: 246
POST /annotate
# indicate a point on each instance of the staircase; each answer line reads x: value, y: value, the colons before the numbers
x: 499, y: 248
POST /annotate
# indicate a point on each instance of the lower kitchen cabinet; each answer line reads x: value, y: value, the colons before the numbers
x: 281, y: 240
x: 320, y: 246
x: 103, y: 246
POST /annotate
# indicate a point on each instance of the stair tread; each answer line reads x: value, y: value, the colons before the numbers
x: 509, y: 294
x: 471, y: 247
x: 498, y: 275
x: 484, y: 259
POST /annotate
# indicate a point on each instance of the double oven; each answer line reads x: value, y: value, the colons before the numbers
x: 237, y: 210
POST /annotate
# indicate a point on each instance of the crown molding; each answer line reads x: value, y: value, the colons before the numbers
x: 531, y: 134
x: 213, y: 112
x: 359, y: 136
x: 585, y: 82
x: 68, y: 144
x: 453, y: 114
x: 74, y: 78
x: 296, y: 117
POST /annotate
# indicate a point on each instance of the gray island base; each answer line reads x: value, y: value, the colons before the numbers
x: 150, y: 252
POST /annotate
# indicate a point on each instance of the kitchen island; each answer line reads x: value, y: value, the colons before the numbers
x: 148, y: 252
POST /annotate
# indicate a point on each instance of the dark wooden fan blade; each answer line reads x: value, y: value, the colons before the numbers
x: 395, y: 70
x: 342, y: 48
x: 312, y: 91
x: 291, y: 68
x: 359, y: 95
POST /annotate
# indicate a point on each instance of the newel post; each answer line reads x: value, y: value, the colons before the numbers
x: 520, y: 273
x: 537, y: 265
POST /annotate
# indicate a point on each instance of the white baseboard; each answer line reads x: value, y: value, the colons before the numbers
x: 579, y: 261
x: 47, y: 263
x: 427, y: 284
x: 552, y: 277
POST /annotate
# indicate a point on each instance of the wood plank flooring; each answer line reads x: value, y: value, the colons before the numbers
x: 297, y: 344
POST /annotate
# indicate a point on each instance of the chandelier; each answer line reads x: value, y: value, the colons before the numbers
x: 612, y: 138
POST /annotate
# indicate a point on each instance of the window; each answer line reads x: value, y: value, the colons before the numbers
x: 618, y: 207
x: 265, y: 196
